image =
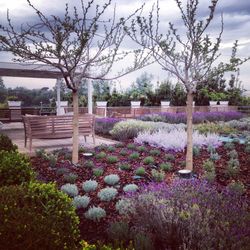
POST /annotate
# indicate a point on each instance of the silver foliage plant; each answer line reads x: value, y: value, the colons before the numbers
x: 70, y: 189
x: 95, y: 213
x: 81, y: 201
x: 111, y: 179
x: 89, y: 185
x: 107, y: 194
x: 176, y: 139
x: 130, y: 188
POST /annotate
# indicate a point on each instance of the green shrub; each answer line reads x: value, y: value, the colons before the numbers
x: 125, y: 166
x: 154, y: 152
x: 167, y: 166
x: 119, y: 145
x: 233, y: 167
x: 209, y: 176
x: 149, y: 160
x: 95, y: 213
x: 229, y: 145
x: 247, y: 148
x: 101, y: 155
x: 237, y: 187
x: 112, y: 159
x: 123, y: 152
x: 214, y: 156
x: 131, y: 146
x: 81, y: 201
x: 196, y: 151
x: 37, y: 216
x: 15, y: 168
x: 111, y: 179
x: 107, y: 194
x: 89, y: 164
x: 70, y: 178
x: 89, y: 186
x: 6, y: 143
x: 217, y: 128
x: 141, y: 149
x: 70, y: 189
x: 169, y: 157
x: 134, y: 156
x: 140, y: 171
x: 62, y: 171
x: 40, y: 152
x: 52, y: 159
x: 211, y: 149
x: 98, y: 172
x: 102, y: 147
x: 208, y: 166
x: 110, y: 149
x: 158, y: 176
x: 233, y: 154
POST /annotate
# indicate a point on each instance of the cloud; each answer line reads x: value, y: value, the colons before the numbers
x: 236, y: 15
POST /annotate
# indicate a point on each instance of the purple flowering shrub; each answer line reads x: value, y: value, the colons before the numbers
x: 198, y: 117
x: 104, y: 125
x: 189, y: 214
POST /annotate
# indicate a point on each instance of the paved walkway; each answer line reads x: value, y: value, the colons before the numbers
x: 15, y: 131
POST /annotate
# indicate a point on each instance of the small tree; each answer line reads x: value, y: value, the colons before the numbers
x: 191, y: 57
x: 80, y: 44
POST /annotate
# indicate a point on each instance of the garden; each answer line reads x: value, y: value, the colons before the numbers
x: 129, y: 195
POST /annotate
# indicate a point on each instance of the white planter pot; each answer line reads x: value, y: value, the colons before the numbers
x: 14, y: 103
x: 224, y: 103
x: 135, y: 104
x: 165, y: 103
x: 101, y: 104
x: 213, y: 103
x: 62, y: 103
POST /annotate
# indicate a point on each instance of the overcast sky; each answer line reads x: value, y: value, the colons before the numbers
x: 236, y: 14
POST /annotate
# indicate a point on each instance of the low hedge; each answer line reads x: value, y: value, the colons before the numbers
x: 37, y: 216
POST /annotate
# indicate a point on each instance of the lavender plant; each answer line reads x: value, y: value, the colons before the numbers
x: 185, y: 213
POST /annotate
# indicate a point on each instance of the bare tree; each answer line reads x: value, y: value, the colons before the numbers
x: 80, y: 44
x: 191, y: 57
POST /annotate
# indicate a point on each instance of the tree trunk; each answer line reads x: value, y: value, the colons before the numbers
x: 75, y: 127
x: 189, y: 155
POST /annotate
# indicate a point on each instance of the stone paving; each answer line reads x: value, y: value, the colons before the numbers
x: 15, y: 131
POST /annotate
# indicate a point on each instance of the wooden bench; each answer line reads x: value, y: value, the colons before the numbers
x: 56, y: 127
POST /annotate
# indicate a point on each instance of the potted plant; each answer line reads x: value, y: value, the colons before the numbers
x: 13, y: 103
x: 165, y: 103
x: 216, y: 98
x: 136, y: 102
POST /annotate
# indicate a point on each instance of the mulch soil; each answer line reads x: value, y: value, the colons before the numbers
x: 93, y: 231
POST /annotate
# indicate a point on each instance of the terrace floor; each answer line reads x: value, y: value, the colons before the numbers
x: 15, y: 132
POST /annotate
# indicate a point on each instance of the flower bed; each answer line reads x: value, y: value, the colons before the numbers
x: 134, y: 166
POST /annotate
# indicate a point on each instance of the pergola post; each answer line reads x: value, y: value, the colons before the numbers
x: 58, y: 96
x: 90, y: 96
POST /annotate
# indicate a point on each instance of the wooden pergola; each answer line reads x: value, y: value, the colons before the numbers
x: 40, y: 71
